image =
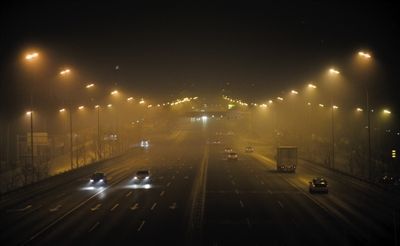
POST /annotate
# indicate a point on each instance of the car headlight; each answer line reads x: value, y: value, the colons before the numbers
x: 91, y: 180
x: 135, y: 177
x: 101, y: 180
x: 147, y: 177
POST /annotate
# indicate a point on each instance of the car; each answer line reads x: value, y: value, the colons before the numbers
x: 98, y: 178
x: 142, y: 176
x: 389, y: 180
x: 228, y: 150
x: 249, y: 149
x: 232, y: 156
x: 318, y: 184
x: 144, y: 143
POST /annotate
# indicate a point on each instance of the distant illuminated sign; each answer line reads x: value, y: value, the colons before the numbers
x: 393, y: 153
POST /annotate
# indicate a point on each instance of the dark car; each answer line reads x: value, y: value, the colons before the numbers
x: 98, y: 178
x: 318, y: 184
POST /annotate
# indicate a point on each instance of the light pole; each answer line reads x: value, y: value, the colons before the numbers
x: 366, y: 57
x: 31, y: 57
x: 333, y: 72
x: 66, y: 72
x: 98, y: 132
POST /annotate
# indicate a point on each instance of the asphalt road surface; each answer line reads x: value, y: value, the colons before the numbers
x: 197, y: 197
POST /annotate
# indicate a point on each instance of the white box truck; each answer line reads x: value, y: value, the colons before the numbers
x: 286, y: 158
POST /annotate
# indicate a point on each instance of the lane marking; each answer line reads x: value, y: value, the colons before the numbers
x: 162, y: 193
x: 96, y: 207
x: 173, y: 177
x: 20, y: 209
x: 161, y: 177
x: 262, y: 182
x: 241, y: 203
x: 173, y: 206
x: 115, y: 206
x: 54, y: 222
x: 233, y: 182
x: 55, y: 208
x: 248, y: 223
x: 141, y: 226
x: 154, y: 206
x: 269, y: 191
x: 128, y: 194
x: 186, y: 177
x: 280, y: 204
x: 169, y: 183
x: 236, y: 191
x: 135, y: 206
x: 94, y: 226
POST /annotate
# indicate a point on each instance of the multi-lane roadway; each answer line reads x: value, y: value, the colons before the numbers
x: 198, y: 197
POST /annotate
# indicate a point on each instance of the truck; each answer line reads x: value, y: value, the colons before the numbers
x: 286, y: 158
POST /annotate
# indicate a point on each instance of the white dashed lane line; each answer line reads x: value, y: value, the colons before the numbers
x: 135, y: 206
x: 96, y: 207
x: 94, y: 226
x: 56, y: 208
x: 128, y: 194
x: 241, y: 203
x: 280, y: 204
x: 169, y: 183
x: 114, y: 207
x: 141, y: 226
x: 154, y: 206
x: 162, y: 193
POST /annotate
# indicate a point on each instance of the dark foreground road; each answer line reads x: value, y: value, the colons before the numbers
x: 198, y: 197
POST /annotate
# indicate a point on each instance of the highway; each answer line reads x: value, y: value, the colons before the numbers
x: 198, y: 197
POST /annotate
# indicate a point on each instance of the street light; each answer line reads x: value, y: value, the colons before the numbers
x: 89, y: 85
x: 31, y: 57
x: 65, y: 73
x: 97, y: 107
x: 294, y: 92
x: 386, y: 111
x: 366, y: 57
x: 312, y: 86
x: 333, y: 72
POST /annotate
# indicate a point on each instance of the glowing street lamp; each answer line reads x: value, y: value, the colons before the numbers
x: 129, y: 99
x: 65, y: 72
x: 335, y: 107
x: 312, y: 86
x: 89, y: 85
x: 294, y: 92
x: 81, y: 107
x: 109, y: 105
x: 359, y: 109
x: 62, y: 110
x: 31, y: 56
x: 280, y: 98
x: 333, y: 71
x: 364, y: 55
x: 114, y: 92
x: 321, y: 105
x: 386, y: 111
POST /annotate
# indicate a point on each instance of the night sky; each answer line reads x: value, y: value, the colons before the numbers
x: 162, y: 50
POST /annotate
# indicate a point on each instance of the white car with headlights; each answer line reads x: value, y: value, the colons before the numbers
x: 142, y: 176
x: 233, y: 156
x: 144, y: 143
x: 98, y: 178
